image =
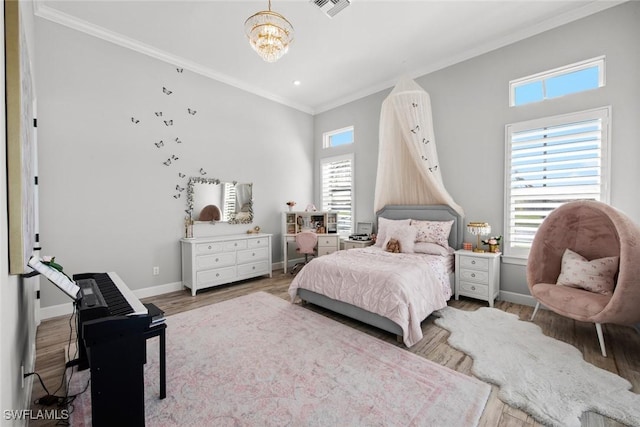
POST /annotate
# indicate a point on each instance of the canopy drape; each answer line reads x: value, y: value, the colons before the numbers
x: 408, y: 169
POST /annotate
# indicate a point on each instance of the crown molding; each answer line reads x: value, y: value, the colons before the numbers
x: 554, y: 22
x: 41, y: 10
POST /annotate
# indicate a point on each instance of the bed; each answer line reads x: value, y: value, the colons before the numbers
x: 393, y: 292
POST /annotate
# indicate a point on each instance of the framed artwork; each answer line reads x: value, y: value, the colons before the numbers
x: 20, y: 142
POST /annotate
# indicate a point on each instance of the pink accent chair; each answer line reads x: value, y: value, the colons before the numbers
x: 306, y: 242
x: 594, y: 230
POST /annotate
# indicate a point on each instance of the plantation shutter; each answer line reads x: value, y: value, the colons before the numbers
x: 550, y: 162
x: 337, y: 190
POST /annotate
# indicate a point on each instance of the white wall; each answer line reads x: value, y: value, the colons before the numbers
x: 107, y: 201
x: 471, y: 108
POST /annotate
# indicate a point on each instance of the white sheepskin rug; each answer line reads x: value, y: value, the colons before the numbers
x: 538, y: 374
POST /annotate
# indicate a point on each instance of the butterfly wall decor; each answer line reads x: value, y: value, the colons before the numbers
x: 168, y: 122
x: 181, y: 175
x: 178, y: 141
x: 158, y: 113
x: 159, y: 144
x: 202, y: 171
x: 180, y: 70
x: 166, y: 91
x: 134, y: 120
x: 192, y: 112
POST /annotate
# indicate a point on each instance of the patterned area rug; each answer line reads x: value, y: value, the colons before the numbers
x: 545, y: 377
x: 259, y: 360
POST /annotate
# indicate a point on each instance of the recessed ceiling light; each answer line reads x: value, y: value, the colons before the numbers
x: 297, y: 82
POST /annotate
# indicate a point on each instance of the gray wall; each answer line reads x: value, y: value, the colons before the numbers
x: 107, y: 201
x: 17, y: 295
x: 470, y: 102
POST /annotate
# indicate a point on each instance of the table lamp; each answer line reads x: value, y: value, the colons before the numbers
x: 479, y: 229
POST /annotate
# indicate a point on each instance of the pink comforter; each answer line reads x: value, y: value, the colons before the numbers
x: 404, y: 288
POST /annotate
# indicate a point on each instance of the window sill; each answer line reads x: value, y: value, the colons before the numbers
x: 516, y: 260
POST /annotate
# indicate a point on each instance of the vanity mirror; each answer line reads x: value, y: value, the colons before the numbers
x: 212, y: 200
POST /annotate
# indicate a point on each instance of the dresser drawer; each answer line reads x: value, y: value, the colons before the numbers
x: 207, y: 262
x: 262, y: 242
x: 474, y: 289
x: 219, y: 275
x: 474, y: 276
x: 251, y: 255
x: 253, y: 269
x: 474, y: 263
x: 327, y: 241
x: 234, y: 245
x: 209, y: 248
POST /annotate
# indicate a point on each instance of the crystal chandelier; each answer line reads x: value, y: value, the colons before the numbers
x: 269, y: 34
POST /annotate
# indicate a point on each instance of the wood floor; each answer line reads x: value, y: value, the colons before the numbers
x: 623, y: 344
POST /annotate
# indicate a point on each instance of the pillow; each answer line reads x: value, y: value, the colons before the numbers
x: 405, y: 235
x: 384, y: 225
x: 433, y: 231
x: 431, y: 249
x: 594, y: 276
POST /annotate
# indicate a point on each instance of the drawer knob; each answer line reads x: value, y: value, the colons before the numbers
x: 217, y: 274
x: 253, y: 254
x: 217, y: 259
x: 209, y: 246
x: 473, y: 288
x: 235, y: 244
x: 473, y: 262
x: 258, y: 241
x: 473, y: 274
x: 253, y: 268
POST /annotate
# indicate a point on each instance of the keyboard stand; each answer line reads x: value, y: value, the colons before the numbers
x: 158, y: 330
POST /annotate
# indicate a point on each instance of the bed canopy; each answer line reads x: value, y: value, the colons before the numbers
x: 408, y: 168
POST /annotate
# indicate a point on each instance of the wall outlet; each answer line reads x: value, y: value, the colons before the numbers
x: 156, y: 271
x: 22, y: 375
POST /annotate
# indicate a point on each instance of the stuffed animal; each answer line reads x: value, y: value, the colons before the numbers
x: 393, y: 246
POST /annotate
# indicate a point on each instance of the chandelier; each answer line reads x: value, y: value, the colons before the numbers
x: 269, y: 34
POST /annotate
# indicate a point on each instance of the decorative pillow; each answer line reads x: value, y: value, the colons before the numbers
x: 384, y: 225
x: 405, y: 235
x: 594, y: 276
x: 433, y: 231
x: 432, y: 249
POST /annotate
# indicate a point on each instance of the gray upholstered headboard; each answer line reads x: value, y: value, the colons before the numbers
x: 431, y: 213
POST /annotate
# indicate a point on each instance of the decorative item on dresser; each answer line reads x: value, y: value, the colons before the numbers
x: 477, y: 275
x: 214, y: 261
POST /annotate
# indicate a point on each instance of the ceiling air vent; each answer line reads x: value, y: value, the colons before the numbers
x: 331, y: 7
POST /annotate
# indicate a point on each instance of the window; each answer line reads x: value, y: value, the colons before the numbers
x: 573, y: 78
x: 338, y: 137
x: 337, y: 189
x: 551, y: 161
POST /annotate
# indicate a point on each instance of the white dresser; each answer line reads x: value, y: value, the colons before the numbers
x: 213, y: 261
x: 477, y: 275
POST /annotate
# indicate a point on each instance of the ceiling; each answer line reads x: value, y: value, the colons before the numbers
x: 365, y: 48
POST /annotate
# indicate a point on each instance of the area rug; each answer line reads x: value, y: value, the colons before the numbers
x: 258, y: 360
x: 544, y: 377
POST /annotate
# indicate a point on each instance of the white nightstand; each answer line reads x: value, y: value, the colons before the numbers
x: 350, y: 244
x: 478, y: 275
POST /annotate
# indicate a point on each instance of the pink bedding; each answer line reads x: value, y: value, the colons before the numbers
x: 404, y: 288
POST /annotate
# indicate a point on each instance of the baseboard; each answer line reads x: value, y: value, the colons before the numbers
x: 67, y: 308
x: 517, y: 298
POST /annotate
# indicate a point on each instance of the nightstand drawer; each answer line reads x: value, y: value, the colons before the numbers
x: 474, y: 276
x: 326, y: 250
x: 474, y: 263
x: 474, y: 289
